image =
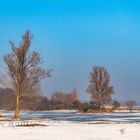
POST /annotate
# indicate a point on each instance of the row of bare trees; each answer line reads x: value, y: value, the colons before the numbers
x: 65, y: 98
x: 58, y: 100
x: 25, y: 73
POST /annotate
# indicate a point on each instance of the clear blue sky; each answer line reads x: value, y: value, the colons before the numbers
x: 74, y: 35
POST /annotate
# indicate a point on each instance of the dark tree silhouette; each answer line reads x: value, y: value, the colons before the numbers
x: 24, y: 68
x: 100, y: 88
x: 130, y: 105
x: 115, y: 105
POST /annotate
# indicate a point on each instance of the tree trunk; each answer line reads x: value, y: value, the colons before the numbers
x: 16, y: 116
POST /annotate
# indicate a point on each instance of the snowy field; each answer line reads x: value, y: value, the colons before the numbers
x: 57, y: 130
x: 68, y: 125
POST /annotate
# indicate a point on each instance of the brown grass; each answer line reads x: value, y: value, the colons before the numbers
x: 31, y: 125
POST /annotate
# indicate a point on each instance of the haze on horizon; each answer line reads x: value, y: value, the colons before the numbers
x: 73, y: 36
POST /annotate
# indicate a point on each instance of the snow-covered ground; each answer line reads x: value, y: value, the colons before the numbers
x: 71, y: 126
x: 64, y: 130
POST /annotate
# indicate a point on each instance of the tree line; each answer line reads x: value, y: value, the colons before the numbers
x: 25, y: 72
x: 58, y: 101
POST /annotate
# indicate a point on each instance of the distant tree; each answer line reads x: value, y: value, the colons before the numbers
x: 130, y: 105
x: 58, y: 97
x: 115, y: 105
x: 6, y: 98
x: 72, y: 96
x: 77, y: 105
x: 42, y: 103
x: 100, y: 88
x: 84, y: 107
x: 61, y: 100
x: 67, y: 98
x: 24, y: 68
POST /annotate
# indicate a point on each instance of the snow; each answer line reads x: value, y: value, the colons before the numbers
x: 64, y: 130
x: 114, y: 126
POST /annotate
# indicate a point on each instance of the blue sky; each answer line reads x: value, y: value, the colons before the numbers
x: 75, y: 35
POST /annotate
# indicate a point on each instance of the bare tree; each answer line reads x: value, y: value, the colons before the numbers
x: 24, y: 68
x: 65, y: 98
x: 59, y: 97
x: 99, y: 88
x: 72, y: 96
x: 130, y: 105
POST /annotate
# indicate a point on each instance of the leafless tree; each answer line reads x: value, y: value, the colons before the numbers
x: 130, y: 105
x: 100, y: 88
x: 58, y: 97
x: 65, y: 98
x: 24, y: 68
x: 72, y: 96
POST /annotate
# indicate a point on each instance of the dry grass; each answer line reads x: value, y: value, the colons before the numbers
x: 31, y: 125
